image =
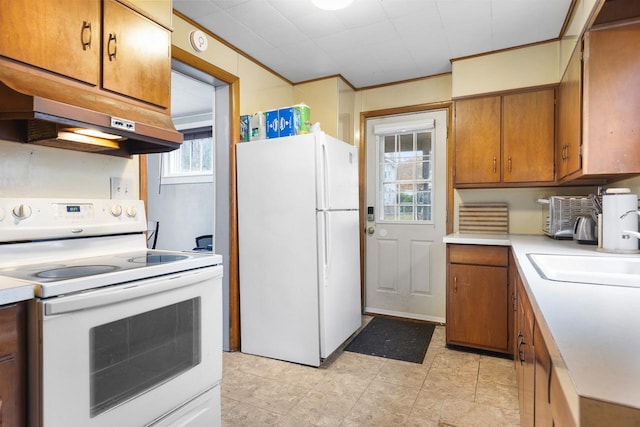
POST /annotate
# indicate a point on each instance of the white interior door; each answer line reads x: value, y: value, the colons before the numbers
x: 406, y: 174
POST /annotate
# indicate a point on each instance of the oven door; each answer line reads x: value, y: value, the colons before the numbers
x: 129, y: 354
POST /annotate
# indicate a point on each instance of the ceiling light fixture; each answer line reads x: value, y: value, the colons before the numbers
x: 331, y: 4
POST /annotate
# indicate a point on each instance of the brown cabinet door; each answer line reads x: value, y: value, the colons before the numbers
x: 477, y: 303
x: 528, y: 126
x: 542, y: 405
x: 12, y: 365
x: 525, y: 359
x: 568, y: 158
x: 512, y: 311
x: 611, y: 141
x: 477, y: 141
x: 136, y: 58
x: 62, y: 36
x: 8, y: 393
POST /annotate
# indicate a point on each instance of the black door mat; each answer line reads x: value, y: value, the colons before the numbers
x: 393, y: 339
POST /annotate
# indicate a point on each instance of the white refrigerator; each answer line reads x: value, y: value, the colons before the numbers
x: 299, y: 246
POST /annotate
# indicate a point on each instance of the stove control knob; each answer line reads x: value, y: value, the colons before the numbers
x: 116, y: 210
x: 131, y: 212
x: 22, y: 211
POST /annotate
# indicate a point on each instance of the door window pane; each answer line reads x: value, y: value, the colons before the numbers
x: 406, y: 180
x: 133, y: 355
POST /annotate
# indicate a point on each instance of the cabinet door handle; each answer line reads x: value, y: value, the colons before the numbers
x: 112, y: 52
x: 495, y: 164
x: 85, y: 35
x: 455, y: 284
x: 520, y: 351
x: 509, y: 163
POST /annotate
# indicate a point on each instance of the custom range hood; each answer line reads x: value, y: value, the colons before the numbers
x: 54, y: 113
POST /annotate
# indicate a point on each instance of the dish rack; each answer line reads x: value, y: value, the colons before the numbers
x: 560, y: 214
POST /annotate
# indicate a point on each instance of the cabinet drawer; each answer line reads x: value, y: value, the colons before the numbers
x: 479, y: 255
x: 8, y: 331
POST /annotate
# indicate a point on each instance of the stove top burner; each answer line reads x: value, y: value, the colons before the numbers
x: 158, y: 259
x: 64, y: 275
x: 76, y: 271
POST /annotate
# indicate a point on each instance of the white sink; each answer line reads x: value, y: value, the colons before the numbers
x: 600, y: 270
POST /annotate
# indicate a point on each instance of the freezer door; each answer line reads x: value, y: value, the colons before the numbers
x: 337, y: 171
x: 339, y: 274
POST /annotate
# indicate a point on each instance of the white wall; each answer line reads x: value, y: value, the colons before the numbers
x: 184, y: 211
x: 34, y: 171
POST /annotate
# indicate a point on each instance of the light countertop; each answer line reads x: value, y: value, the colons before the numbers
x: 479, y: 239
x: 595, y: 329
x: 12, y: 291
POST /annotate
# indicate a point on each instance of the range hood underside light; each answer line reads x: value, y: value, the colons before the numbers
x: 86, y: 139
x: 50, y: 134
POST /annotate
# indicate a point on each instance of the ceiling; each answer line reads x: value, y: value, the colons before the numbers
x: 374, y: 42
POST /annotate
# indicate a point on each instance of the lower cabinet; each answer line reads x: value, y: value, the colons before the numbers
x: 12, y: 365
x: 524, y: 356
x: 542, y: 401
x: 488, y: 308
x: 478, y: 297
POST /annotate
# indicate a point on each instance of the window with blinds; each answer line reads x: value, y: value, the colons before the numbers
x: 193, y: 161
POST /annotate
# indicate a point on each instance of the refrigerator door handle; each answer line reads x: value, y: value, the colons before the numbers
x: 327, y: 246
x: 325, y: 178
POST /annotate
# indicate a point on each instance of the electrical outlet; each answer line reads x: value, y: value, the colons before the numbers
x: 121, y: 188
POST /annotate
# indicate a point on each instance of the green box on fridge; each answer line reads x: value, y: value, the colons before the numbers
x: 302, y: 118
x: 244, y: 128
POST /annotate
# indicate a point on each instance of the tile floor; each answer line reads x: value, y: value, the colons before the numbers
x: 450, y: 388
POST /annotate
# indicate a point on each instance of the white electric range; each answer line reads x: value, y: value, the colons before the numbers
x: 118, y: 334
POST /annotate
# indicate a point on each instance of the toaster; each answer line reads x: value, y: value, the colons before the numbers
x: 561, y: 212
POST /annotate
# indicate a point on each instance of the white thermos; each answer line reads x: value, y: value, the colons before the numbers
x: 619, y: 216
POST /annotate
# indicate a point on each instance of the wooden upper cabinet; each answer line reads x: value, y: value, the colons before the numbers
x: 611, y: 141
x: 569, y: 114
x: 62, y: 36
x: 505, y: 140
x: 528, y: 132
x: 137, y: 55
x: 477, y: 140
x: 113, y: 48
x: 599, y: 106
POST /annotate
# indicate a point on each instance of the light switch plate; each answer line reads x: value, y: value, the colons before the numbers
x: 121, y: 188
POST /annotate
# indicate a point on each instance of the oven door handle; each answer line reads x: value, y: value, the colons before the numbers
x: 128, y: 291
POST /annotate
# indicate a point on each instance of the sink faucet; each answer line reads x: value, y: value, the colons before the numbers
x: 628, y: 212
x: 626, y: 234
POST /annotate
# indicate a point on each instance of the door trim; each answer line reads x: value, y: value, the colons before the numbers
x: 362, y: 145
x: 231, y: 267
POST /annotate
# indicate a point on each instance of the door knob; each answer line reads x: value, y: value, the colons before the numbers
x: 370, y: 230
